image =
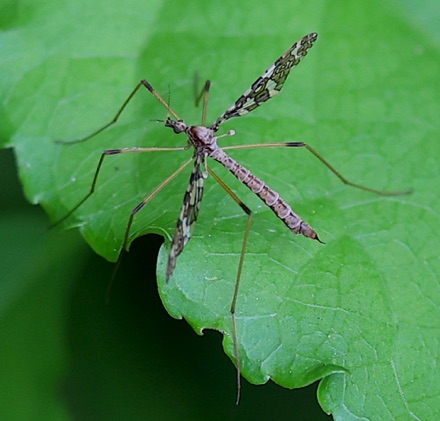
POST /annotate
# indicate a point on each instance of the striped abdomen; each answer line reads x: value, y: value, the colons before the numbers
x: 265, y: 193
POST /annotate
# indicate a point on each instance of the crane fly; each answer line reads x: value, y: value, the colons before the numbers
x: 204, y: 141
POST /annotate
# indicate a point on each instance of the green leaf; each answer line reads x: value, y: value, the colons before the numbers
x: 361, y: 311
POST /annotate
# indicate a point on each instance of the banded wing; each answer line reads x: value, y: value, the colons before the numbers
x: 270, y: 82
x: 188, y: 212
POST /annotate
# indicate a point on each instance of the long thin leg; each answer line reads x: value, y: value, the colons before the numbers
x: 98, y: 169
x: 121, y: 109
x: 239, y: 271
x: 158, y: 97
x: 135, y: 210
x: 204, y: 93
x: 198, y: 95
x: 324, y: 161
x: 206, y: 88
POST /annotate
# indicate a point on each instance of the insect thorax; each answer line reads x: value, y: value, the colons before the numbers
x: 201, y: 136
x: 198, y: 136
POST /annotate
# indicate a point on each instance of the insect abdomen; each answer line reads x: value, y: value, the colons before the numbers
x: 266, y: 194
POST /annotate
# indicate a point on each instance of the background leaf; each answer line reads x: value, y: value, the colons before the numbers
x: 365, y: 97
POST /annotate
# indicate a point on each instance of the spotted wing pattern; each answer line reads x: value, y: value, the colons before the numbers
x: 189, y: 211
x: 270, y: 82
